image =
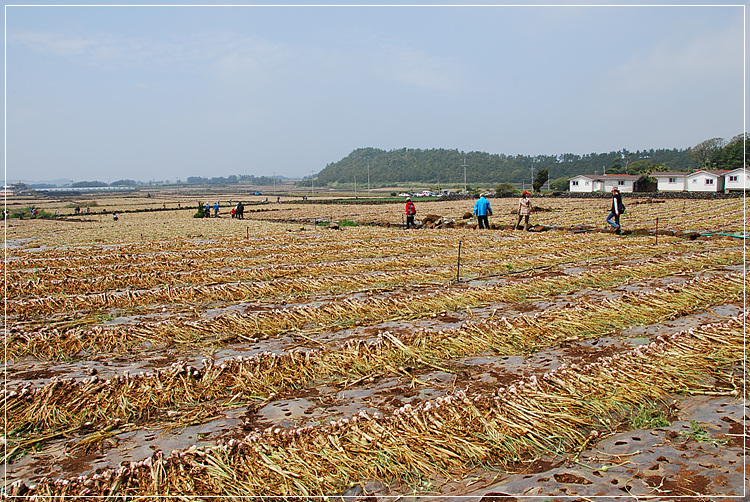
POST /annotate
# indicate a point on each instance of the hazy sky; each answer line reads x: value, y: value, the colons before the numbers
x: 163, y: 93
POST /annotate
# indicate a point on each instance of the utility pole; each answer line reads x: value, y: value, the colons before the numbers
x: 465, y: 186
x: 368, y: 179
x: 274, y: 182
x: 355, y: 187
x: 312, y: 182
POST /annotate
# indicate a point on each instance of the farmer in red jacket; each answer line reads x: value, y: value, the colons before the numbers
x: 410, y: 212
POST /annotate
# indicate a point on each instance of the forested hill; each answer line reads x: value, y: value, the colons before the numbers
x: 439, y: 166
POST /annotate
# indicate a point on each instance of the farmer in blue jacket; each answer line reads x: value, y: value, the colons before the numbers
x: 482, y: 210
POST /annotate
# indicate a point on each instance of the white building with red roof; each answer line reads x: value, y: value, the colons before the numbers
x: 588, y: 183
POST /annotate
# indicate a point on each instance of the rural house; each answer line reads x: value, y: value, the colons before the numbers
x: 670, y: 181
x: 588, y: 183
x: 737, y: 179
x: 705, y: 181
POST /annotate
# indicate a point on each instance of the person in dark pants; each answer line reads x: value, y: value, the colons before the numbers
x: 483, y: 211
x: 411, y: 210
x: 616, y: 210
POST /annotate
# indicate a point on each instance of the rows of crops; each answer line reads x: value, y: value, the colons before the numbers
x: 146, y: 333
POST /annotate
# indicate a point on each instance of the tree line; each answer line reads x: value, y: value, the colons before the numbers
x: 453, y: 167
x: 440, y: 166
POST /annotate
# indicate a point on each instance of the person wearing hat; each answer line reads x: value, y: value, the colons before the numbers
x: 410, y: 212
x: 524, y: 210
x: 617, y: 209
x: 483, y: 210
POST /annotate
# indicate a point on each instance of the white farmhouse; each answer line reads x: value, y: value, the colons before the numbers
x: 737, y: 179
x: 705, y: 181
x: 588, y: 183
x: 582, y: 183
x: 670, y: 181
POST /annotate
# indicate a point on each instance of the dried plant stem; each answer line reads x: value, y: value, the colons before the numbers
x: 556, y: 413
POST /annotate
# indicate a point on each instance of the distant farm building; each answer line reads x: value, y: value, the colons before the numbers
x: 737, y: 179
x: 670, y: 181
x: 705, y: 181
x: 589, y: 183
x: 702, y: 180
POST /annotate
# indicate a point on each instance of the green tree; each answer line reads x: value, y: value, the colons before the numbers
x: 733, y: 154
x: 658, y: 168
x: 639, y: 166
x: 704, y: 151
x: 560, y: 184
x: 505, y: 188
x: 541, y: 178
x: 123, y: 183
x: 616, y: 167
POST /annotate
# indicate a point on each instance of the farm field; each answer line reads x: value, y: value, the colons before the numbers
x: 165, y: 355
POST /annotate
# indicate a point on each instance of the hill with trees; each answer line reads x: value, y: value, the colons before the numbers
x: 440, y: 166
x: 716, y: 153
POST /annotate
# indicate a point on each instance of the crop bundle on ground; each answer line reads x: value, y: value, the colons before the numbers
x: 557, y: 413
x: 54, y: 343
x: 94, y: 403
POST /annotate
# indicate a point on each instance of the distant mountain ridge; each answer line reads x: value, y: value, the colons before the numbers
x: 441, y: 166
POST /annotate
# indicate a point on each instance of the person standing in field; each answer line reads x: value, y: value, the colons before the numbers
x: 524, y: 210
x: 216, y: 209
x: 483, y: 211
x: 616, y: 210
x: 411, y: 210
x: 240, y: 212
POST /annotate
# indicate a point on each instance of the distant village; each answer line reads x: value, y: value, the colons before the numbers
x: 717, y: 181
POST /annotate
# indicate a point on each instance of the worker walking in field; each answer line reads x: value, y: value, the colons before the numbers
x: 617, y: 209
x: 483, y: 211
x: 411, y: 210
x: 216, y: 209
x: 524, y: 210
